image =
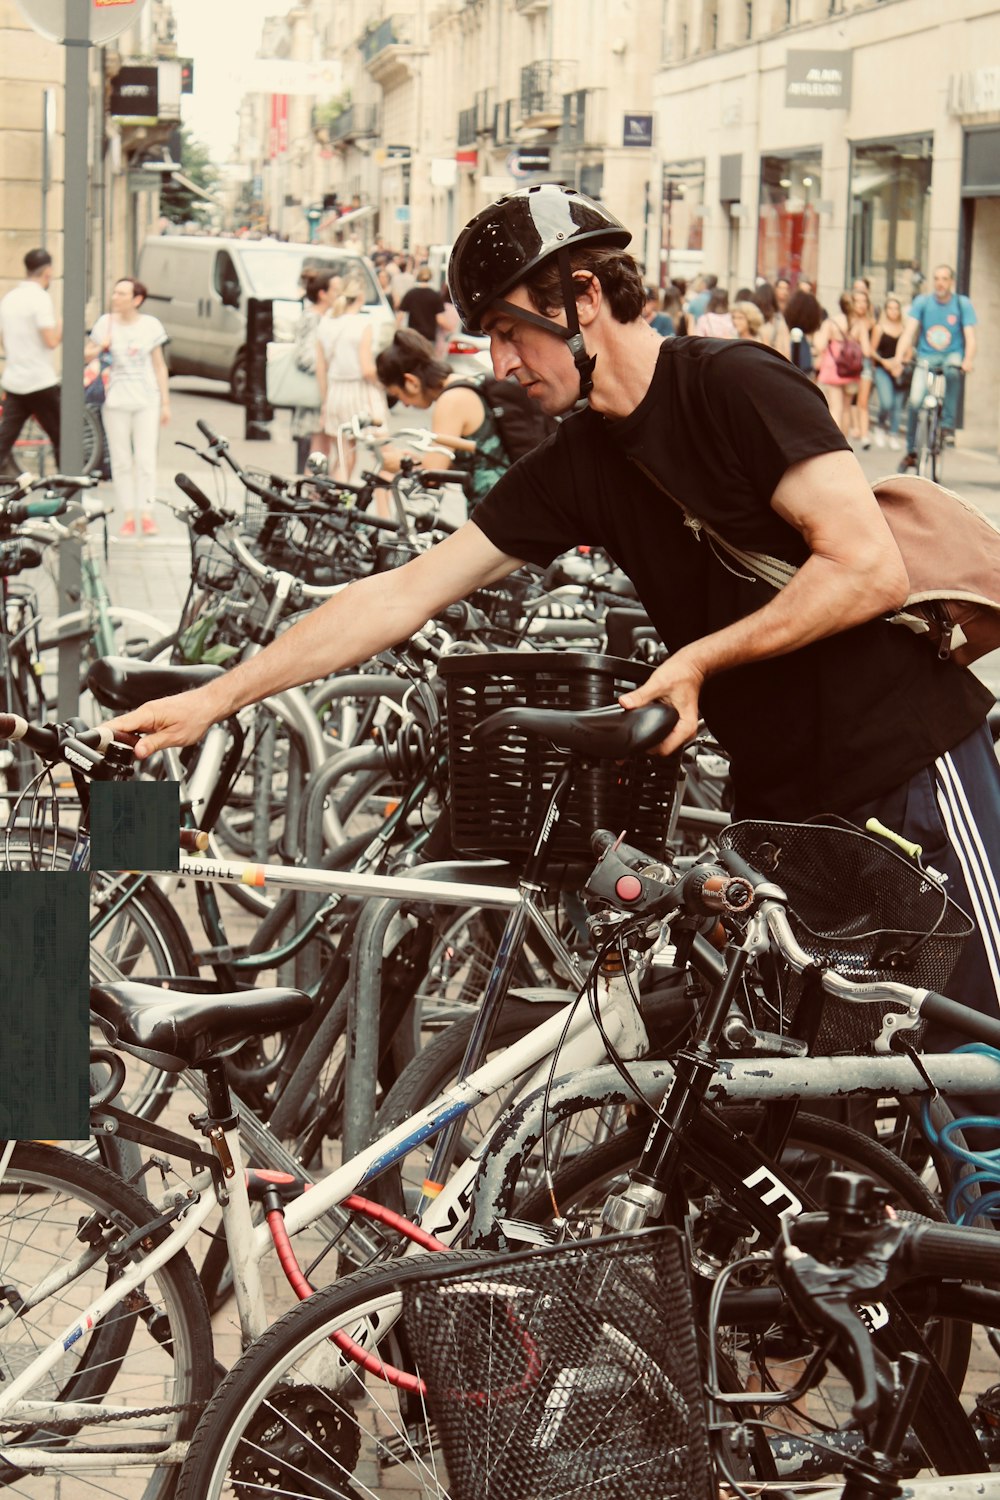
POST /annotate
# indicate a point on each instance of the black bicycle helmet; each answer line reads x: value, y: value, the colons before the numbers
x: 502, y: 245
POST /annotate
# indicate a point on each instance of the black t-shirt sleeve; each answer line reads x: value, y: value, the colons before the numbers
x: 531, y: 512
x: 772, y: 415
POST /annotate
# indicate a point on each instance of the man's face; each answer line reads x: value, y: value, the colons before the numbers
x: 45, y: 277
x: 540, y: 362
x: 943, y: 282
x: 782, y: 292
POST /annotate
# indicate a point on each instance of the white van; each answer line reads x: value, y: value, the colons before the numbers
x: 199, y: 285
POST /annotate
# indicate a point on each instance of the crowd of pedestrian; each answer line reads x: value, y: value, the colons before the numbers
x: 849, y: 351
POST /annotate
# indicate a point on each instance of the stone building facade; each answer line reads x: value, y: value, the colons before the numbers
x: 123, y: 200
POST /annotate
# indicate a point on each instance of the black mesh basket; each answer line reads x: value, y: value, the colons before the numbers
x: 499, y: 791
x: 570, y: 1372
x: 857, y: 907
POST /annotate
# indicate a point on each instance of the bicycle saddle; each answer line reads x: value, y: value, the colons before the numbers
x: 592, y: 733
x: 176, y: 1030
x: 120, y: 682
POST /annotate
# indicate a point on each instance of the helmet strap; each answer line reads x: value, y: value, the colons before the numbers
x: 569, y: 331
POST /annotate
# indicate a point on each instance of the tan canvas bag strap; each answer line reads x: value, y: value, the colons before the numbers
x: 770, y: 570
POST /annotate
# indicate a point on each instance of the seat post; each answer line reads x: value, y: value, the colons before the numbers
x: 218, y: 1098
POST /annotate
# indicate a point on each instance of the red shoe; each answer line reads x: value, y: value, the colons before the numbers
x: 149, y: 527
x: 128, y: 526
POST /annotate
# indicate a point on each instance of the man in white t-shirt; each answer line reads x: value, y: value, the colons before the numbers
x: 30, y: 332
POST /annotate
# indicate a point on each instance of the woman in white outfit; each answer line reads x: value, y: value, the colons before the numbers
x: 137, y: 402
x: 345, y: 368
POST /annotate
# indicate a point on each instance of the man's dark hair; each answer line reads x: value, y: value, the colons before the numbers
x: 616, y: 270
x: 711, y: 282
x: 803, y: 311
x: 411, y: 354
x: 36, y: 260
x: 316, y: 282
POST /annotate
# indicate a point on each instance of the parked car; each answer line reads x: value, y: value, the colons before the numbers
x: 199, y: 286
x: 469, y: 353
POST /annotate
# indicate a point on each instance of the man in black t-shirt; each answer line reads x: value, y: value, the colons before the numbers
x: 422, y: 306
x: 681, y: 445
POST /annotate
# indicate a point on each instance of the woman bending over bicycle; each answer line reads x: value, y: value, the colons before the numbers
x: 411, y: 372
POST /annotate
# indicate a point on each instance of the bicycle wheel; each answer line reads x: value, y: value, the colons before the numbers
x: 296, y: 1417
x: 767, y: 1359
x: 436, y: 1068
x: 928, y: 436
x: 152, y: 1351
x: 93, y: 440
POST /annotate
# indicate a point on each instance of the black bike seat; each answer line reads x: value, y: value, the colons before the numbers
x: 173, y: 1030
x: 594, y: 733
x: 121, y: 683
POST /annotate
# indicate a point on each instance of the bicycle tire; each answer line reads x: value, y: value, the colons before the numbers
x: 236, y: 1402
x: 582, y: 1185
x: 131, y: 1357
x: 436, y: 1067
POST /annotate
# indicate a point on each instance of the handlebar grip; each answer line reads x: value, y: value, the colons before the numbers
x: 193, y: 840
x: 432, y: 478
x: 54, y: 505
x: 195, y: 495
x: 946, y: 1250
x: 971, y: 1023
x: 369, y: 518
x: 207, y: 432
x: 12, y: 726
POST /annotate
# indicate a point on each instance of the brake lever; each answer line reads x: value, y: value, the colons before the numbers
x: 826, y: 1298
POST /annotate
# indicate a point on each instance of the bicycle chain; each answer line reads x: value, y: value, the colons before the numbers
x: 70, y: 1425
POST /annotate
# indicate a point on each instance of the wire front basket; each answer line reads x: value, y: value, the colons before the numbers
x: 860, y: 908
x: 223, y: 608
x: 569, y: 1372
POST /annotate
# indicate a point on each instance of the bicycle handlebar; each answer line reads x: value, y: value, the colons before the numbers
x: 50, y: 741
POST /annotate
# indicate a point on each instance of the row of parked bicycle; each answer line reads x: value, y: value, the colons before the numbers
x: 589, y: 1134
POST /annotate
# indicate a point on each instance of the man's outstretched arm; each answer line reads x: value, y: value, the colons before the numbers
x: 367, y: 617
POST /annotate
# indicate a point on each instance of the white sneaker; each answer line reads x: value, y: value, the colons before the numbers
x: 894, y: 442
x: 879, y: 437
x: 865, y: 444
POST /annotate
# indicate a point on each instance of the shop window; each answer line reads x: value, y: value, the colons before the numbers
x: 788, y: 219
x: 682, y: 227
x: 890, y: 215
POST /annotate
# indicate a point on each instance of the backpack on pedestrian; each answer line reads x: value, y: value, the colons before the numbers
x: 848, y: 358
x: 520, y: 422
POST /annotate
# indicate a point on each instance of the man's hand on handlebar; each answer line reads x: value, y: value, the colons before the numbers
x: 166, y: 723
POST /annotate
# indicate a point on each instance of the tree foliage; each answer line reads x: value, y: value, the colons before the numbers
x: 178, y: 203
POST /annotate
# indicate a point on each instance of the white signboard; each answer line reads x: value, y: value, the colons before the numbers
x: 108, y: 18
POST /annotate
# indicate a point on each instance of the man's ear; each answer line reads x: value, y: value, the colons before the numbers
x: 589, y: 296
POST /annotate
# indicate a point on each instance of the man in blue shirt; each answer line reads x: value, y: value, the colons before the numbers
x: 699, y: 302
x: 942, y: 325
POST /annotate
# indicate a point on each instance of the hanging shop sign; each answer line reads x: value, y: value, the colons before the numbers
x: 818, y: 80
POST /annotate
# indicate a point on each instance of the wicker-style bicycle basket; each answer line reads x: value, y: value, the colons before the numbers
x: 570, y: 1371
x: 500, y: 790
x: 860, y: 908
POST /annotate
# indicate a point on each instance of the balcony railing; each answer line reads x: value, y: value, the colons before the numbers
x: 543, y: 84
x: 394, y: 31
x: 356, y: 120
